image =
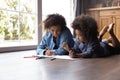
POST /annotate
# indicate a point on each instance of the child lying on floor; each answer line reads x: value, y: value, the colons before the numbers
x: 88, y: 42
x: 58, y: 32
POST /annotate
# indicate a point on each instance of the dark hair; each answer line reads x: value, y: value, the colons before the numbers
x: 55, y: 20
x: 87, y: 26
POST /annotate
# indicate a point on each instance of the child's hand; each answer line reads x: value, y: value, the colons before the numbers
x: 72, y: 54
x: 65, y: 46
x: 79, y: 55
x: 49, y: 53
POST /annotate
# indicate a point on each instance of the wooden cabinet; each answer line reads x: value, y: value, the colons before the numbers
x: 94, y: 14
x: 105, y: 16
x: 117, y: 26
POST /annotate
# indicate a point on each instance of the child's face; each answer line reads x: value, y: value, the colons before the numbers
x: 79, y: 36
x: 55, y: 30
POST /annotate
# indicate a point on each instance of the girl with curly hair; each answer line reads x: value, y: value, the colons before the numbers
x: 57, y: 33
x: 88, y: 42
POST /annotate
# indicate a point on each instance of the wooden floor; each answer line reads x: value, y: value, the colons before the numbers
x: 14, y: 67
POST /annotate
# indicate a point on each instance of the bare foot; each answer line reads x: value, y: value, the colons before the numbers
x: 104, y: 30
x: 110, y: 29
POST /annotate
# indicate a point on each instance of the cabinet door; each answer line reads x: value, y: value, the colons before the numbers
x: 105, y: 20
x: 94, y: 14
x: 117, y: 26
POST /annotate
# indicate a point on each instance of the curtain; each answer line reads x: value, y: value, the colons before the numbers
x: 79, y: 7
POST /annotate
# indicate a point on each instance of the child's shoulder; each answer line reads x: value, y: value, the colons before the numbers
x: 76, y: 41
x: 66, y: 32
x: 47, y: 34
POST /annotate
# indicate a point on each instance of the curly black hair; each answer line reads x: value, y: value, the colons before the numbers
x: 87, y: 26
x: 55, y: 20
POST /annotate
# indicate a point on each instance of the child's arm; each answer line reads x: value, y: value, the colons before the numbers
x: 67, y: 37
x: 73, y: 55
x: 65, y: 46
x: 71, y: 52
x: 42, y: 47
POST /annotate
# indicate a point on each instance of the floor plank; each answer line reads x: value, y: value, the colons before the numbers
x: 13, y: 66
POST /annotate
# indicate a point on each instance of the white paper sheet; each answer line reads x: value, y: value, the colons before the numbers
x: 57, y: 57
